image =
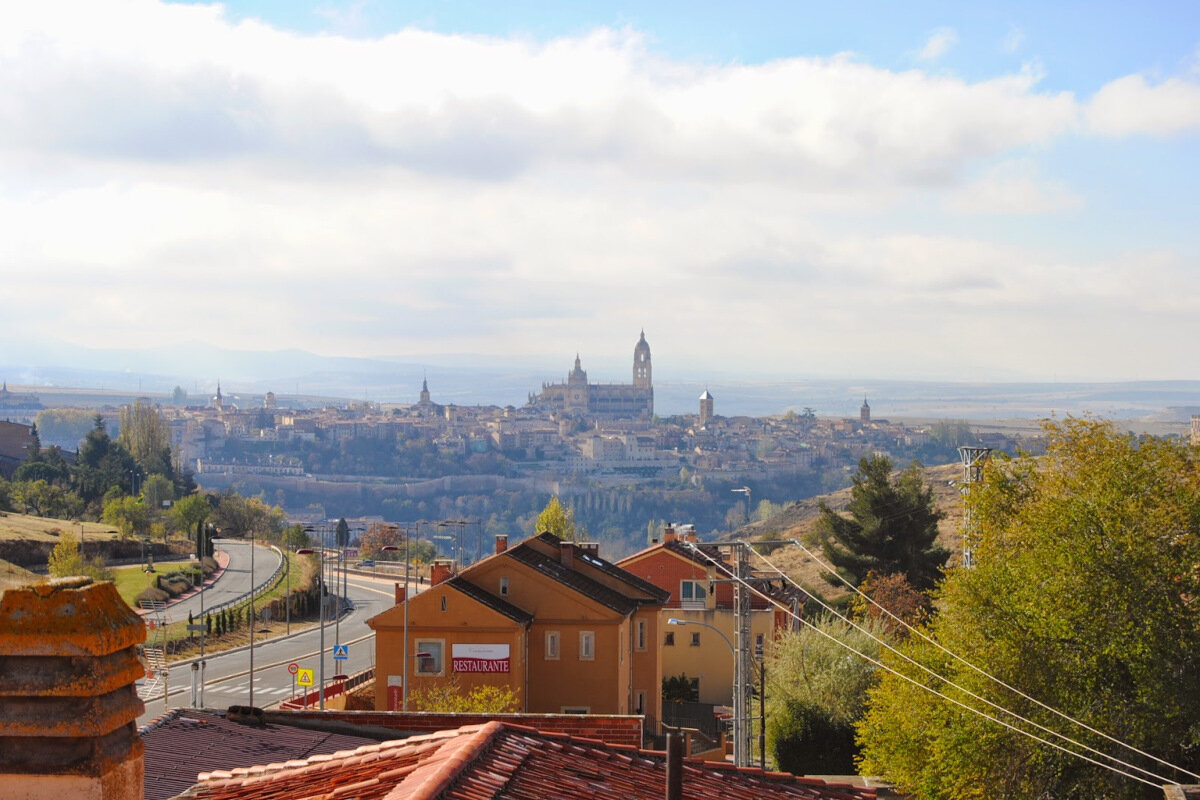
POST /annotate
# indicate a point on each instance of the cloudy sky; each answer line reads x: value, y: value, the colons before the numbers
x: 879, y: 189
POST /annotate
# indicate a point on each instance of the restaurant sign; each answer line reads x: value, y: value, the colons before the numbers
x: 480, y: 658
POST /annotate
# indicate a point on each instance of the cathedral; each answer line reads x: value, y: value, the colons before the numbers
x: 608, y: 401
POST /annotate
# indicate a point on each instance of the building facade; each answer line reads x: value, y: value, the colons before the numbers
x: 576, y: 397
x: 563, y: 629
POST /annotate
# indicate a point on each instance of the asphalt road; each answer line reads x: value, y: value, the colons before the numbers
x: 227, y: 675
x: 234, y: 581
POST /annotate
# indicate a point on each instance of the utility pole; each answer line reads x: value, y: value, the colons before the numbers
x: 743, y: 666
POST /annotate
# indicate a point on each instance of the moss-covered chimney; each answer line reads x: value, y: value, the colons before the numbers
x: 68, y: 704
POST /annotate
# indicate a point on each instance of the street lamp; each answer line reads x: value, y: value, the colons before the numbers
x: 404, y: 675
x: 745, y: 490
x: 740, y: 757
x: 308, y: 551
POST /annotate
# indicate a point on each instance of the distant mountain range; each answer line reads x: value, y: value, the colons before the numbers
x: 468, y: 381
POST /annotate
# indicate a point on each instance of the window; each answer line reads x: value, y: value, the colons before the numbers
x: 443, y: 602
x: 758, y: 645
x: 641, y: 635
x: 641, y: 703
x: 576, y: 709
x: 695, y: 640
x: 552, y: 645
x: 669, y: 639
x: 587, y: 645
x: 504, y: 587
x: 692, y: 594
x: 429, y: 656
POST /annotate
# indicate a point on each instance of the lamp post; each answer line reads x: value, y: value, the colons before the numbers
x: 745, y: 490
x: 404, y: 673
x: 308, y: 551
x: 740, y: 757
x: 252, y: 587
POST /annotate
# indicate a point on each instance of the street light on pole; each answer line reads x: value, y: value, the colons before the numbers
x: 740, y: 757
x: 308, y: 551
x: 404, y: 675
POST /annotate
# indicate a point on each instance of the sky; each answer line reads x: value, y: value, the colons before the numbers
x: 940, y: 191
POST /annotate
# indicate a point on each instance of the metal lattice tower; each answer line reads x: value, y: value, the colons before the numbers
x: 973, y: 459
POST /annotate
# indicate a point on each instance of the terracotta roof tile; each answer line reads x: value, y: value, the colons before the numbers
x: 499, y: 760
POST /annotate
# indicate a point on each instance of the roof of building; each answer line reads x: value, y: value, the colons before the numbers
x: 609, y: 568
x: 185, y: 742
x: 573, y: 579
x: 502, y: 760
x: 497, y: 604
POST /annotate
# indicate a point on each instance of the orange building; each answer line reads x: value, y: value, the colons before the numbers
x: 698, y: 579
x: 565, y: 630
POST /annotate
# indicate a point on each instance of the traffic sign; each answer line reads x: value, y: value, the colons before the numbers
x: 293, y: 668
x: 341, y: 652
x: 304, y: 677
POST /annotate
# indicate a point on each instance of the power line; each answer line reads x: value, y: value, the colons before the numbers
x: 972, y: 709
x: 968, y: 664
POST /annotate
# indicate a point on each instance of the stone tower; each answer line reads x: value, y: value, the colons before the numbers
x: 864, y: 412
x: 641, y: 364
x: 706, y: 407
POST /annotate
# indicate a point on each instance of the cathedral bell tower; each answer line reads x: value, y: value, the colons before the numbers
x: 641, y: 364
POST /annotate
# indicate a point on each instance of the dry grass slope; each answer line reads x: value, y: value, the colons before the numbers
x: 23, y: 527
x: 798, y: 520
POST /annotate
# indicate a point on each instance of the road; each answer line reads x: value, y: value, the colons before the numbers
x: 227, y: 679
x: 234, y: 581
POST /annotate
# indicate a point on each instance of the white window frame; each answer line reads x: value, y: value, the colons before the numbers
x: 587, y: 645
x: 553, y: 645
x: 693, y: 593
x: 640, y: 639
x: 439, y: 660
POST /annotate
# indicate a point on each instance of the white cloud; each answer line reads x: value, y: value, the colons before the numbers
x: 167, y: 174
x: 938, y: 44
x: 1013, y: 40
x: 1013, y: 187
x: 1130, y: 105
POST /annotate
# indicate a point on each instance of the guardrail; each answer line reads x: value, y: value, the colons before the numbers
x: 332, y: 689
x: 267, y: 586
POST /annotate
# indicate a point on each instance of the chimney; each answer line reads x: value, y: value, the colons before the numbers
x: 669, y: 534
x: 689, y: 533
x: 401, y: 593
x: 566, y: 554
x: 674, y: 787
x: 68, y: 706
x: 441, y: 570
x: 501, y: 543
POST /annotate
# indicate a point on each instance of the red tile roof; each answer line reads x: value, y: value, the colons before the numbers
x: 185, y: 742
x: 501, y: 760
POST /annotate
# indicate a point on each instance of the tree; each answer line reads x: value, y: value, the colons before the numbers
x: 892, y: 526
x: 558, y: 520
x: 102, y: 464
x: 147, y: 437
x: 158, y: 489
x: 295, y: 538
x: 816, y: 691
x: 378, y: 536
x: 1083, y: 595
x: 341, y: 533
x: 65, y: 559
x: 239, y: 517
x: 128, y: 515
x: 190, y: 511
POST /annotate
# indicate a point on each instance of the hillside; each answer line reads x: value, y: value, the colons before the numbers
x: 797, y: 520
x: 27, y: 528
x: 12, y: 576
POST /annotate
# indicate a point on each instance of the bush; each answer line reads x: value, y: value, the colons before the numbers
x: 151, y: 594
x: 806, y: 740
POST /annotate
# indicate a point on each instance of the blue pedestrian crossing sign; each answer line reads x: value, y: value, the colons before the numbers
x: 341, y: 652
